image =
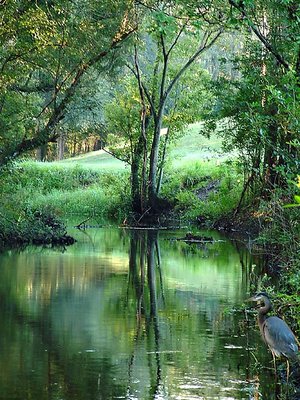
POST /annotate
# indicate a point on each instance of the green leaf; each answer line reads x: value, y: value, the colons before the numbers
x: 297, y: 199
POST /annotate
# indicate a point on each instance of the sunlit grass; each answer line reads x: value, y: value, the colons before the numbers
x: 194, y: 147
x: 189, y: 148
x: 187, y: 189
x: 90, y: 202
x: 96, y: 159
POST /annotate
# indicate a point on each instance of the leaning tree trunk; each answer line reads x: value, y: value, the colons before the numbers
x: 41, y: 152
x: 61, y: 141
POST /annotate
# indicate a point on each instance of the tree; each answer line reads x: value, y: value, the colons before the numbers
x: 46, y: 50
x: 159, y: 62
x: 261, y: 105
x: 124, y: 121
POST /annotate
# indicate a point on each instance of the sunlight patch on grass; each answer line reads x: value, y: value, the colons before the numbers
x: 95, y: 159
x: 189, y: 148
x: 193, y: 147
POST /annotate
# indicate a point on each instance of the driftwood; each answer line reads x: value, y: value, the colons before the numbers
x: 190, y: 238
x: 82, y: 224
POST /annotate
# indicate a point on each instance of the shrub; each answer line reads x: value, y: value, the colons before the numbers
x: 221, y: 186
x: 38, y: 227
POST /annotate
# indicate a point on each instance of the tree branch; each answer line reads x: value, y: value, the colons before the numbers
x: 125, y: 160
x: 260, y: 36
x: 47, y: 134
x: 165, y: 66
x: 204, y: 46
x: 147, y: 94
x: 177, y: 37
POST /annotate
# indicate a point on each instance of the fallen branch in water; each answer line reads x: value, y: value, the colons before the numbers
x: 82, y: 224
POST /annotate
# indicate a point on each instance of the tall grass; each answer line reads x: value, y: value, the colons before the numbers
x: 66, y: 189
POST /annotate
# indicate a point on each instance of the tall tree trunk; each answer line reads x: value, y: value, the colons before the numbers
x: 161, y: 168
x: 74, y: 145
x: 140, y: 153
x: 41, y: 152
x: 61, y: 146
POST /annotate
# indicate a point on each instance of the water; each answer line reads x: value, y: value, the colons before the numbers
x: 130, y: 315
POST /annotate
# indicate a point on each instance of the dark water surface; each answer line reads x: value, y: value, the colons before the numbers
x: 130, y: 315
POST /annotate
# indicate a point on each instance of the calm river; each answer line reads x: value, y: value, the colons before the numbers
x: 126, y: 314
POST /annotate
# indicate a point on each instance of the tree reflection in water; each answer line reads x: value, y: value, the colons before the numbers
x: 146, y: 301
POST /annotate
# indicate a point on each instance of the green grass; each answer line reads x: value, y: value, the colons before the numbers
x: 106, y: 203
x: 191, y: 147
x: 182, y: 186
x: 67, y: 189
x: 96, y: 184
x: 95, y: 160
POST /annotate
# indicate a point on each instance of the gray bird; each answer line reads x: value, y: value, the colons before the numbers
x: 275, y: 332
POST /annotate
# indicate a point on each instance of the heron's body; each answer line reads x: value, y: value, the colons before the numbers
x: 278, y: 337
x: 275, y: 332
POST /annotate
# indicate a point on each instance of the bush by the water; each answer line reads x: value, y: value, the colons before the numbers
x: 37, y: 196
x: 41, y: 227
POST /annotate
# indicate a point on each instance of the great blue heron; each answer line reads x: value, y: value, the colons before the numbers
x: 275, y: 332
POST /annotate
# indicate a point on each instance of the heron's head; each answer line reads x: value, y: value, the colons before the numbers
x: 260, y: 297
x: 262, y: 300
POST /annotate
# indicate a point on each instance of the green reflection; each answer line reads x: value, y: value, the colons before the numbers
x: 127, y: 314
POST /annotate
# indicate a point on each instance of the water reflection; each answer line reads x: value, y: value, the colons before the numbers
x: 132, y: 315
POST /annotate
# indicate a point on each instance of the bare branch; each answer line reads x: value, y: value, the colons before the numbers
x: 162, y: 41
x: 165, y: 67
x: 147, y: 94
x: 141, y: 92
x: 126, y: 160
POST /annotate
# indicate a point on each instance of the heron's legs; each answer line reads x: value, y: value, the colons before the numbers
x: 287, y: 377
x: 274, y: 360
x: 287, y: 371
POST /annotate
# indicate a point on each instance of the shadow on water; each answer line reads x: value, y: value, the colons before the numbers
x: 132, y: 315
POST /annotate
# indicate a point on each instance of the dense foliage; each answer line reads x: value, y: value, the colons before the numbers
x: 46, y: 49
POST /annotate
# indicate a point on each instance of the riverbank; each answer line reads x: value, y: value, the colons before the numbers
x: 39, y: 228
x: 97, y: 186
x: 204, y: 193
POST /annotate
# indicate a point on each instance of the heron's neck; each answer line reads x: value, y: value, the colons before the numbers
x: 262, y: 311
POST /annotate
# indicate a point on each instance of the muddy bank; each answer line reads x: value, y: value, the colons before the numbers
x: 244, y: 224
